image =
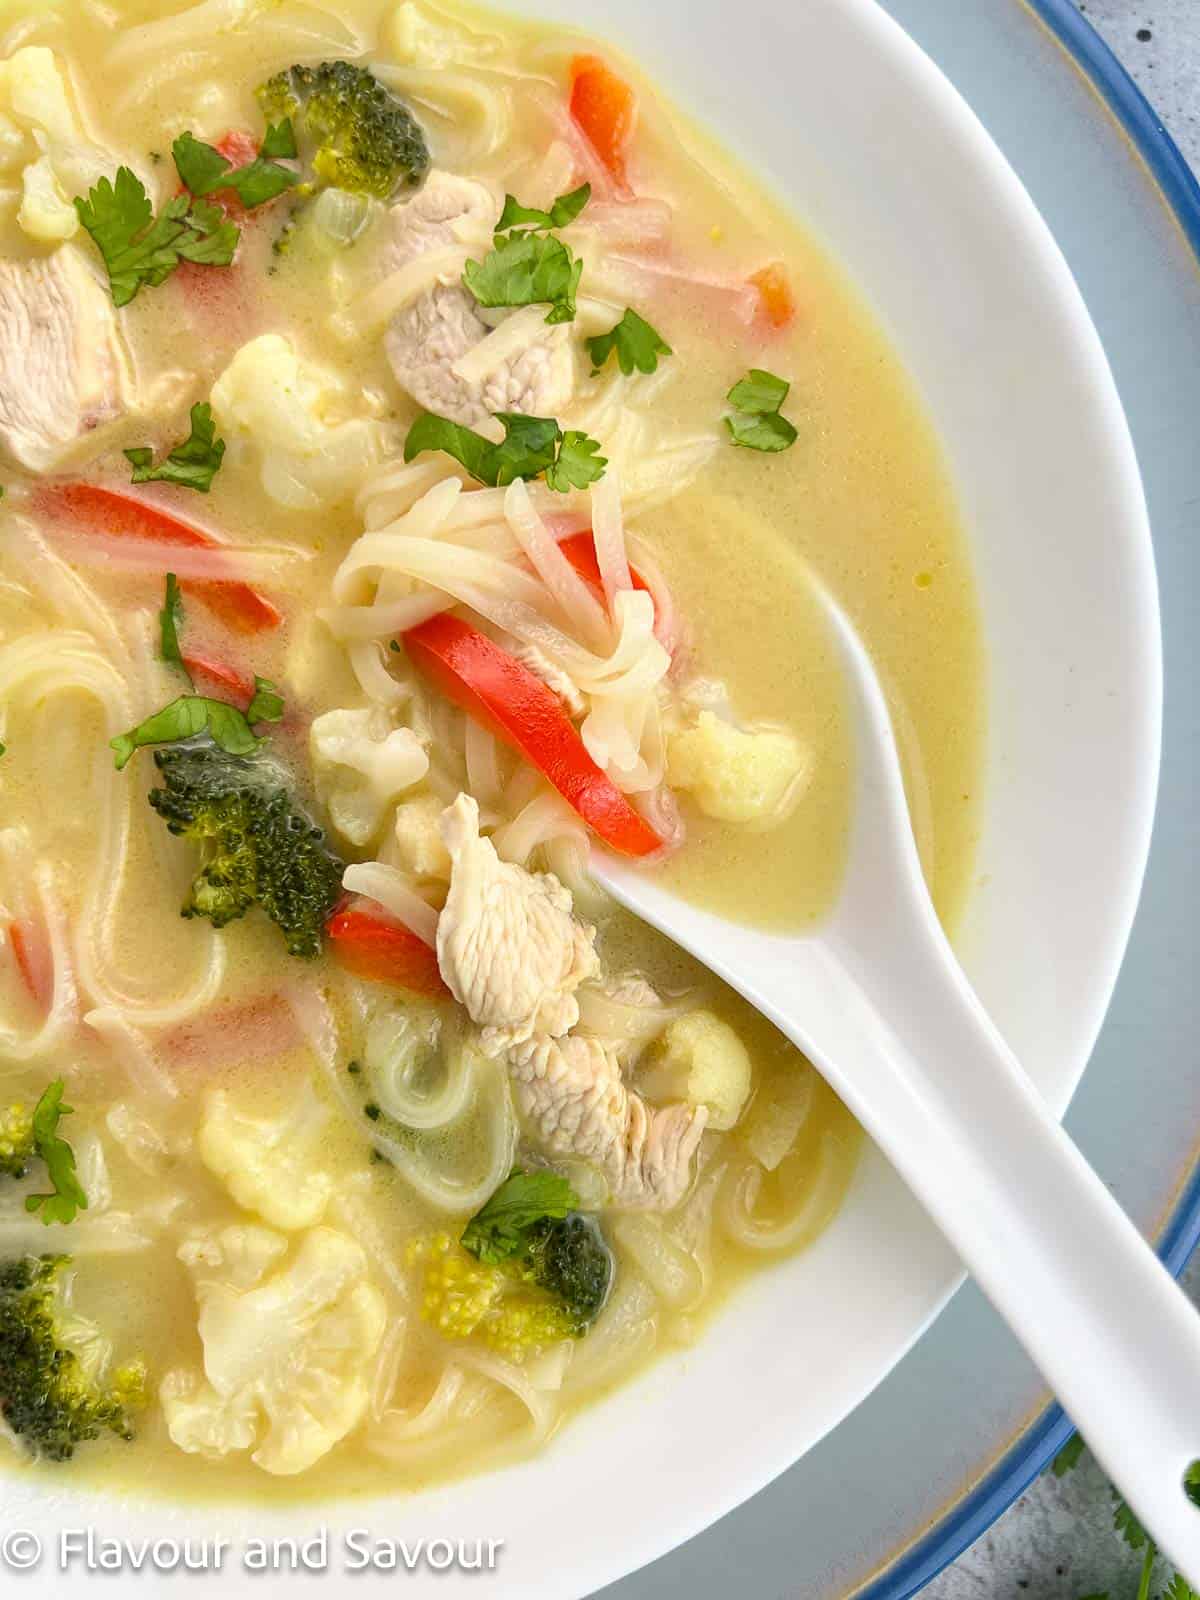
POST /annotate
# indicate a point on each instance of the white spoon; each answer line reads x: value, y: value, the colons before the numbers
x: 875, y: 997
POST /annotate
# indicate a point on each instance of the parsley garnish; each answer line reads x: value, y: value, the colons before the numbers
x: 193, y: 464
x: 140, y: 248
x: 524, y: 1199
x: 68, y: 1196
x: 190, y: 714
x: 529, y: 219
x: 527, y: 269
x: 266, y: 705
x: 1067, y: 1458
x: 204, y: 170
x: 637, y: 344
x: 756, y: 423
x: 531, y: 446
x: 170, y: 620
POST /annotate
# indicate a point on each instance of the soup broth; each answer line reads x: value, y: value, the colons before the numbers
x: 290, y: 1147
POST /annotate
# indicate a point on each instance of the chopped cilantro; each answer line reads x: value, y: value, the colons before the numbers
x: 190, y: 714
x: 524, y: 1199
x: 204, y: 170
x: 529, y: 219
x: 193, y: 464
x: 637, y: 344
x: 68, y: 1196
x: 139, y: 248
x: 266, y: 705
x: 527, y: 269
x: 531, y: 446
x: 170, y: 620
x: 756, y: 423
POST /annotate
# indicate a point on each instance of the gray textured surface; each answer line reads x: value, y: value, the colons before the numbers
x: 1057, y: 1542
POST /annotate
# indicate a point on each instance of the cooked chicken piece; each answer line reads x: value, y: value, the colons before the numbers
x: 62, y: 372
x: 572, y: 1093
x: 508, y: 946
x: 428, y: 338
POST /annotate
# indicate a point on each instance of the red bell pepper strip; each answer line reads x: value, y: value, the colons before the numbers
x: 604, y: 108
x: 384, y: 952
x: 495, y: 689
x: 580, y: 551
x: 120, y: 515
x: 217, y: 674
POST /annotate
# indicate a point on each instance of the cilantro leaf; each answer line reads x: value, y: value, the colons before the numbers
x: 759, y: 393
x: 1191, y: 1483
x: 1179, y: 1589
x: 189, y: 715
x: 1067, y: 1458
x: 68, y: 1196
x: 498, y: 1231
x: 579, y: 463
x: 193, y: 464
x: 531, y: 446
x: 527, y: 269
x: 210, y: 239
x: 266, y: 705
x: 170, y: 620
x: 1128, y: 1526
x: 769, y: 433
x: 528, y: 218
x: 204, y: 170
x: 139, y: 248
x: 3, y: 748
x: 637, y: 344
x: 279, y: 141
x: 756, y: 423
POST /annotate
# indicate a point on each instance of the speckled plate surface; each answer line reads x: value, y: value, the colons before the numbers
x: 960, y: 1427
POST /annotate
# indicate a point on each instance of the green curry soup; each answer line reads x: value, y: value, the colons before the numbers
x: 416, y: 443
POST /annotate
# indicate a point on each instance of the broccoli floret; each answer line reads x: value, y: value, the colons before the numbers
x: 355, y: 134
x: 258, y: 848
x: 17, y: 1143
x: 48, y: 1399
x: 463, y: 1298
x: 531, y: 1230
x: 570, y: 1260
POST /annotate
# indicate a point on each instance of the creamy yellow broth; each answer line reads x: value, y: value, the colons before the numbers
x: 862, y: 498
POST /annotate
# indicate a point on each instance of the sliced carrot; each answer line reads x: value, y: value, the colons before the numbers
x: 215, y: 674
x: 384, y: 952
x: 95, y: 509
x: 34, y: 961
x: 775, y: 295
x: 604, y: 108
x: 501, y: 694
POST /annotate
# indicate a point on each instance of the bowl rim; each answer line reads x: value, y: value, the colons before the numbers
x: 1035, y: 1447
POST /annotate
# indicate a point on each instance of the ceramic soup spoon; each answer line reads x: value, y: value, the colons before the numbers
x: 875, y: 997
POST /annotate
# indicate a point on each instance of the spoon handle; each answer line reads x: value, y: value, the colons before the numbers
x: 902, y: 1037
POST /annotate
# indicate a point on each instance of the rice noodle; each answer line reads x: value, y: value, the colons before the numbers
x: 814, y: 1207
x: 395, y: 893
x: 424, y: 1158
x: 62, y: 1012
x: 576, y: 601
x: 133, y: 1052
x: 608, y: 534
x: 669, y: 1269
x: 226, y: 564
x: 399, y: 1042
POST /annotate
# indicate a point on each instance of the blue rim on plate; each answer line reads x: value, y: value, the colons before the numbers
x: 1040, y: 1443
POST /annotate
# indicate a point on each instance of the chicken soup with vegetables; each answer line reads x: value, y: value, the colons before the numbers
x: 415, y: 441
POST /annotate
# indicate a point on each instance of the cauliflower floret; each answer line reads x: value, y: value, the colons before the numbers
x: 274, y: 408
x: 419, y: 845
x: 45, y: 213
x: 733, y: 775
x: 285, y: 1359
x: 700, y: 1059
x: 239, y: 1256
x: 362, y: 767
x: 268, y: 1167
x: 34, y: 89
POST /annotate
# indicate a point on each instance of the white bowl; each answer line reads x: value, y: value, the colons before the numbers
x: 831, y: 102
